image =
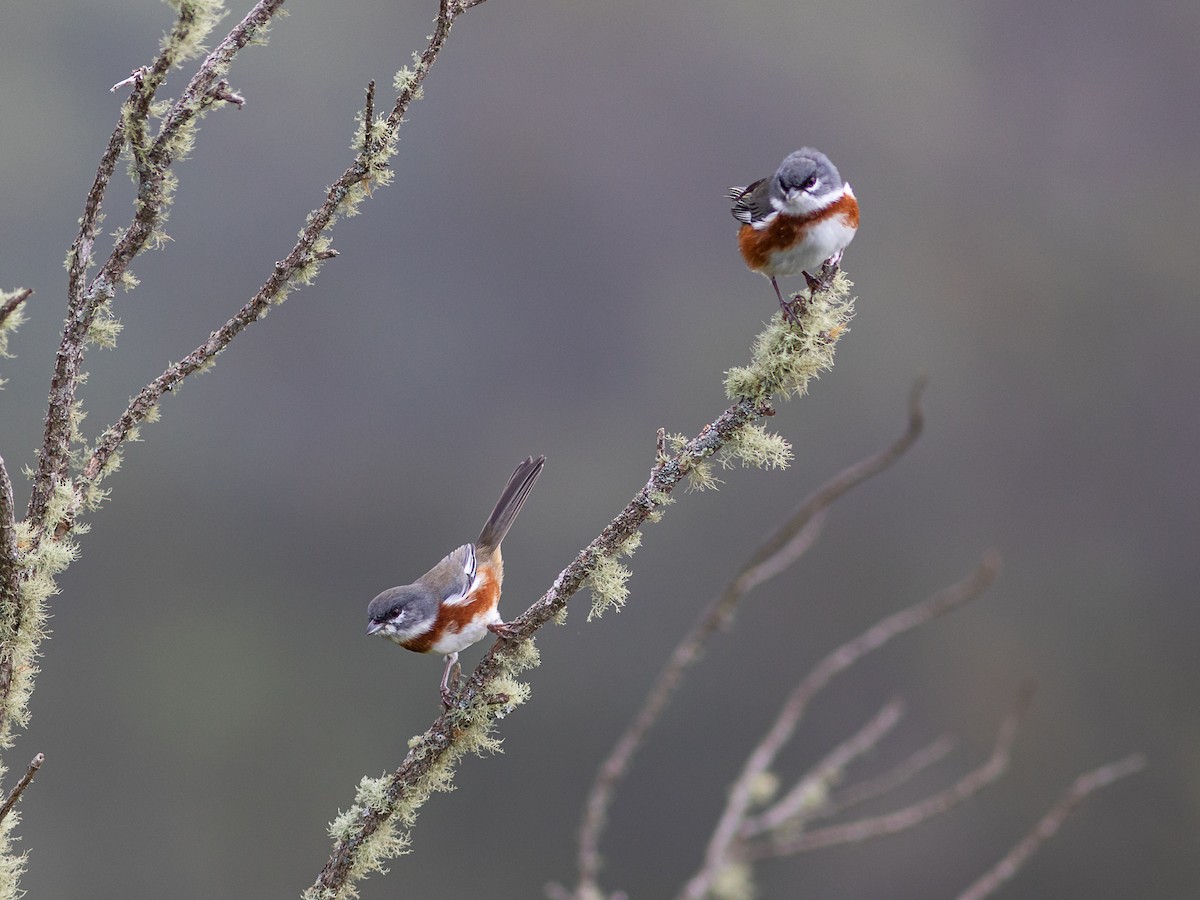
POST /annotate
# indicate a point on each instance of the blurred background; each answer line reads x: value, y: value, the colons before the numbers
x: 555, y: 271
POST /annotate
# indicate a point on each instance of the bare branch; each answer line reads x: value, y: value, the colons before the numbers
x: 889, y: 781
x: 910, y: 816
x: 774, y: 555
x: 811, y: 790
x: 15, y: 794
x: 1045, y: 829
x: 778, y: 551
x: 723, y: 842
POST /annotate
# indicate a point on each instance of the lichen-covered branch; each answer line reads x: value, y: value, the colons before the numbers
x: 155, y: 134
x: 377, y: 144
x: 784, y: 359
x: 10, y: 303
x: 47, y: 535
x: 152, y: 160
x: 10, y: 573
x: 780, y: 549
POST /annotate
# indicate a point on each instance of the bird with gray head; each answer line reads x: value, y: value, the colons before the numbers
x: 795, y: 221
x: 456, y: 603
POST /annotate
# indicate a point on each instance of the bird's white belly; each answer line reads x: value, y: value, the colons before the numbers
x: 452, y: 642
x: 824, y: 239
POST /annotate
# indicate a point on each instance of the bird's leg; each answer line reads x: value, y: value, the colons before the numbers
x: 829, y: 269
x: 505, y: 630
x: 789, y: 315
x: 450, y: 681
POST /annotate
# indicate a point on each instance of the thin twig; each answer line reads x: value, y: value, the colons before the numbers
x: 773, y: 557
x: 725, y: 835
x: 1050, y: 823
x: 15, y: 794
x: 910, y: 816
x: 815, y: 784
x: 11, y: 304
x: 780, y: 549
x: 901, y: 774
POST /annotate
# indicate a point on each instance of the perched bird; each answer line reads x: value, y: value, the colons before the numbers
x: 455, y: 603
x: 796, y: 220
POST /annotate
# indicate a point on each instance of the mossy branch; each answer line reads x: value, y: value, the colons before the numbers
x: 10, y: 566
x: 376, y: 144
x: 152, y: 160
x: 155, y: 135
x: 785, y: 358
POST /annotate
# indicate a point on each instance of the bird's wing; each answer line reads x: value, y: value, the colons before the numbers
x: 752, y: 203
x: 454, y: 575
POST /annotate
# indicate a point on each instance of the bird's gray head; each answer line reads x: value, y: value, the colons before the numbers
x: 402, y: 613
x: 806, y: 181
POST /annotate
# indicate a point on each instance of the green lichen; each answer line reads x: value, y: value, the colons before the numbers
x: 786, y: 356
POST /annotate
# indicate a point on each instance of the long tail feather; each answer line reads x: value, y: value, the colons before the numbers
x: 509, y: 504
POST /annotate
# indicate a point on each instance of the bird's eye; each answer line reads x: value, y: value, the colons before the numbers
x: 809, y: 183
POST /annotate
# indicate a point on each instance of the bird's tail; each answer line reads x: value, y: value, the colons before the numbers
x: 509, y: 504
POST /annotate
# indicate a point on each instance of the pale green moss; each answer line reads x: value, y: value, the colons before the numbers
x: 197, y: 18
x: 734, y: 882
x: 786, y: 356
x: 476, y: 725
x: 754, y: 446
x: 105, y: 327
x: 44, y: 557
x: 763, y: 788
x: 608, y: 580
x: 12, y: 322
x: 12, y: 865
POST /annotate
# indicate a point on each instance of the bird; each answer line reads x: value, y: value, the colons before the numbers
x: 795, y: 221
x: 456, y: 603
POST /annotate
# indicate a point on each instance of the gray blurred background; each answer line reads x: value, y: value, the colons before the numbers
x: 555, y: 271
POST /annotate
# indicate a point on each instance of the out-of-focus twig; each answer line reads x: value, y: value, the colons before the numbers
x: 1049, y: 824
x: 910, y: 816
x: 723, y: 847
x: 815, y: 784
x: 779, y: 550
x: 900, y: 774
